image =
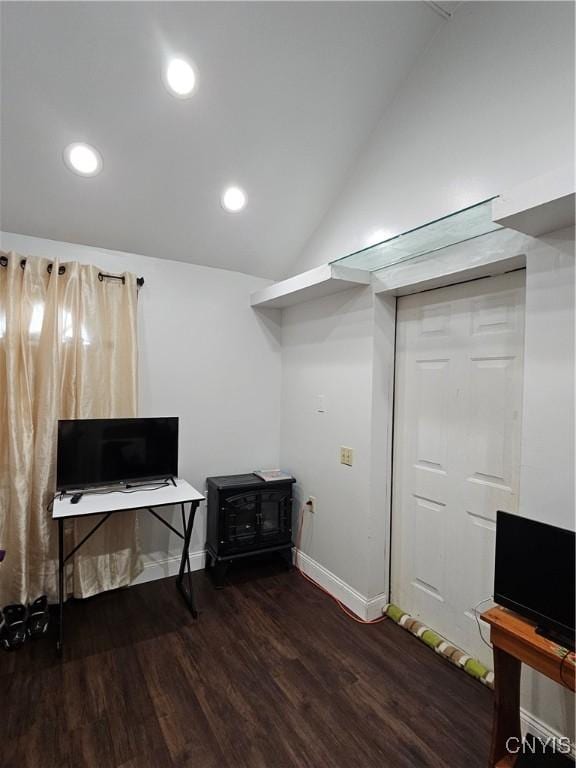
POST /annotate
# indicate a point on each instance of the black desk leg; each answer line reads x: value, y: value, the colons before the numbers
x: 60, y: 640
x: 188, y: 594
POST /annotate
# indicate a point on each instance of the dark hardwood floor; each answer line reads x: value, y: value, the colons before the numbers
x: 272, y: 675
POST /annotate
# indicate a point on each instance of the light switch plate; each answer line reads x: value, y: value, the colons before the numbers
x: 346, y: 455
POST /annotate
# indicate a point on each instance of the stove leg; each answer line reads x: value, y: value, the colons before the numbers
x: 218, y: 572
x: 286, y: 555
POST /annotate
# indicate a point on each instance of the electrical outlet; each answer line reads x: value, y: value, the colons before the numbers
x: 346, y: 456
x: 311, y: 503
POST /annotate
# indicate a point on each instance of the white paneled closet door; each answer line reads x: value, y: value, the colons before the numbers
x: 458, y: 402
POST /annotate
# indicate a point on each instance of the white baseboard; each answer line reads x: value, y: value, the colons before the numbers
x: 540, y: 729
x: 375, y: 606
x: 162, y: 566
x: 363, y: 607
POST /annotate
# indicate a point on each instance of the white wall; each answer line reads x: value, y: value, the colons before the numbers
x: 327, y: 350
x: 206, y: 357
x: 547, y: 472
x: 342, y: 346
x: 489, y: 105
x: 547, y: 460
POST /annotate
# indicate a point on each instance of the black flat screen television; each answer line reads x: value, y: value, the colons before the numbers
x: 97, y: 452
x: 535, y: 574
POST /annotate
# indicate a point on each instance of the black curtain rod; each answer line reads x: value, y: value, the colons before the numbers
x: 62, y: 270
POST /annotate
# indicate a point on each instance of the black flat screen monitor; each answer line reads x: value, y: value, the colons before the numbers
x: 535, y: 573
x: 96, y: 452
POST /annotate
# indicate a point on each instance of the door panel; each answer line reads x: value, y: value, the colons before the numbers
x: 456, y: 447
x: 433, y: 377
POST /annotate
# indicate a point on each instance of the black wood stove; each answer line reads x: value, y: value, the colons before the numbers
x: 246, y: 516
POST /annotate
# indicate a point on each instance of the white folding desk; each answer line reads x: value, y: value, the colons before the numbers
x: 97, y: 502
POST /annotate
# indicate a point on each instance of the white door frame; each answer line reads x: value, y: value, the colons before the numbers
x: 459, y: 334
x: 487, y: 256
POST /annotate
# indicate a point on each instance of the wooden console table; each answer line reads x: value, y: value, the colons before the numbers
x: 514, y: 642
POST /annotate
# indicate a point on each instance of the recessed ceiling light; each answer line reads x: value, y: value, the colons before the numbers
x: 180, y: 78
x: 233, y: 199
x: 83, y: 159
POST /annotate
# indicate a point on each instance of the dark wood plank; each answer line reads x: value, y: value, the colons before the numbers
x: 272, y: 675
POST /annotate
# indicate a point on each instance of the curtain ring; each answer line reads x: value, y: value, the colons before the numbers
x: 22, y: 263
x: 61, y: 269
x: 100, y: 276
x: 3, y: 261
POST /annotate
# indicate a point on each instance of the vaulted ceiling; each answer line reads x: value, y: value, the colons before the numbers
x: 286, y: 96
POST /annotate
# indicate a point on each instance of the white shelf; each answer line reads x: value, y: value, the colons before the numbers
x: 539, y: 206
x: 322, y: 281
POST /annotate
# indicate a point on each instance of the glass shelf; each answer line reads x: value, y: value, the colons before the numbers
x: 452, y: 229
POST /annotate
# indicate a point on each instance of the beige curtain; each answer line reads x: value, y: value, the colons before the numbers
x: 67, y: 350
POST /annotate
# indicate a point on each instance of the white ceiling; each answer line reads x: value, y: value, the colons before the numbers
x: 287, y: 93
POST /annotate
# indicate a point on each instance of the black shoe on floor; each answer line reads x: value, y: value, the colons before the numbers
x: 38, y: 617
x: 14, y: 628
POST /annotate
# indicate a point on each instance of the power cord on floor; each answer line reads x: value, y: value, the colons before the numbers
x: 341, y: 605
